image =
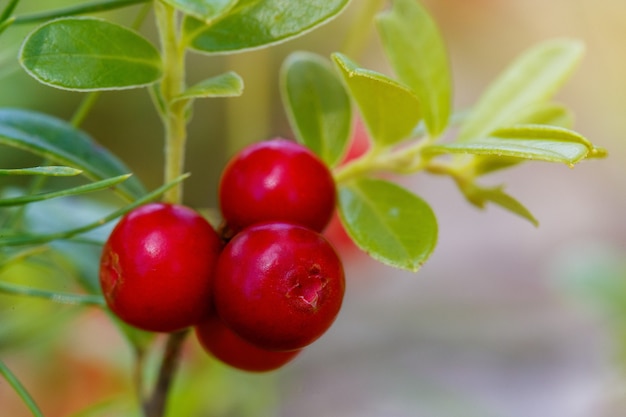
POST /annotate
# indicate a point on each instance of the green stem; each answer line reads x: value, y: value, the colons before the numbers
x: 20, y: 390
x: 98, y: 6
x: 85, y: 107
x: 173, y: 114
x: 172, y: 85
x: 404, y: 160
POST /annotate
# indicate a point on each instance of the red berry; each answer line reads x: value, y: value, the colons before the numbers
x: 219, y: 341
x: 277, y: 180
x: 278, y: 285
x: 157, y: 267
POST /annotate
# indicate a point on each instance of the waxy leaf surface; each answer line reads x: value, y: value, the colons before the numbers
x: 390, y: 110
x: 317, y: 105
x: 229, y: 84
x: 391, y: 224
x: 253, y: 24
x: 87, y: 54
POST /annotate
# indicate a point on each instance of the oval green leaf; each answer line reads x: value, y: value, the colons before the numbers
x: 418, y: 55
x: 532, y: 78
x: 390, y: 110
x: 206, y: 10
x: 62, y: 143
x: 87, y: 54
x: 391, y: 224
x: 253, y: 24
x: 229, y: 84
x: 317, y: 105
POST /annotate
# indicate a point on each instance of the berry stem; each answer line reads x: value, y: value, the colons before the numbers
x: 155, y: 405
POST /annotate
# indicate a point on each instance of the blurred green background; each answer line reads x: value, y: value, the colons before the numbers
x: 505, y: 320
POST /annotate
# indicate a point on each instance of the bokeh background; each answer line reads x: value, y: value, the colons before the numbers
x: 505, y: 320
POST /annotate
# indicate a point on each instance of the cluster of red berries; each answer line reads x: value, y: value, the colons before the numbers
x: 258, y: 292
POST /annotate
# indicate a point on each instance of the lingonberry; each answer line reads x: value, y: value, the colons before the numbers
x: 278, y: 285
x: 220, y: 342
x: 277, y: 180
x: 157, y: 267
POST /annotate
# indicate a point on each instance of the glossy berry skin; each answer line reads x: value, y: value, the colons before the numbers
x: 279, y: 286
x: 277, y: 180
x: 220, y: 342
x: 157, y: 267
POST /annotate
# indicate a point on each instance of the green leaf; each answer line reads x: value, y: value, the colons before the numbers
x: 390, y: 110
x: 15, y: 383
x: 532, y: 78
x: 533, y: 142
x: 486, y: 164
x: 390, y: 223
x: 62, y: 143
x: 48, y: 171
x: 206, y: 10
x: 317, y: 105
x: 479, y: 196
x: 418, y: 55
x: 96, y: 186
x: 86, y: 54
x: 26, y: 239
x: 253, y: 24
x: 534, y: 131
x: 228, y: 84
x: 543, y: 113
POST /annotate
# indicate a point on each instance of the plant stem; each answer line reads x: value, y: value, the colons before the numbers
x: 405, y: 160
x: 173, y: 114
x: 156, y: 404
x: 85, y: 107
x: 172, y: 85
